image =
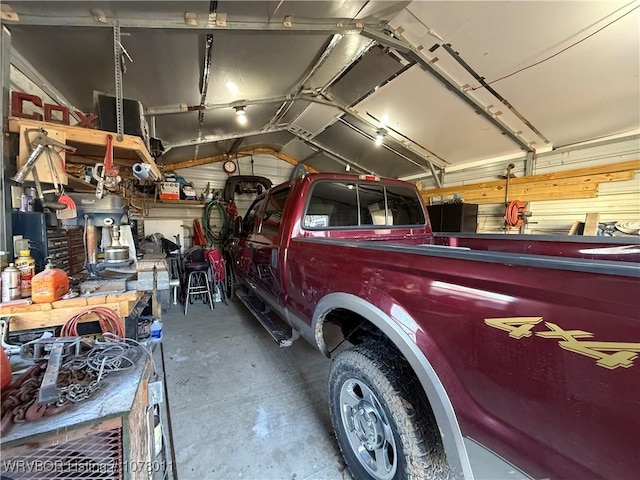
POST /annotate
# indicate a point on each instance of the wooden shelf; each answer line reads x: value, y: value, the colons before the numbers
x: 92, y: 143
x: 181, y: 202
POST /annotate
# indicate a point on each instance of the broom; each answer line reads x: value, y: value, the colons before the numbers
x: 69, y: 211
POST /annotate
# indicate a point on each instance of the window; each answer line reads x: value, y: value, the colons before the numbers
x: 273, y: 212
x: 404, y: 206
x: 362, y: 204
x: 249, y: 221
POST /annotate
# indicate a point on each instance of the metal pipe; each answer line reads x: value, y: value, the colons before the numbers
x: 334, y: 155
x: 218, y: 138
x: 204, y: 79
x: 456, y: 56
x: 202, y: 26
x: 91, y: 236
x: 6, y: 230
x: 218, y: 106
x: 286, y: 106
x: 414, y: 55
x: 117, y: 54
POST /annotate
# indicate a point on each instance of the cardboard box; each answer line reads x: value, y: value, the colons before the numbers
x: 169, y: 191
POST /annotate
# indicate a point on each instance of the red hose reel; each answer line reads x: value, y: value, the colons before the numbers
x: 515, y: 214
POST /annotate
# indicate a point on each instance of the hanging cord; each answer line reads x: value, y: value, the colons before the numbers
x: 215, y: 238
x: 557, y: 53
x: 109, y: 321
x: 514, y: 214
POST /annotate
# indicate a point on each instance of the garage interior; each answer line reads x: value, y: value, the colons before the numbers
x: 510, y: 118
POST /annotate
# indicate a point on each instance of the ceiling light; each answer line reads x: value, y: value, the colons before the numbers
x: 379, y: 136
x: 240, y: 111
x: 347, y: 168
x: 232, y: 87
x: 242, y: 119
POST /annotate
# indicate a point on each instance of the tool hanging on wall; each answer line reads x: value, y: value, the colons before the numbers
x: 38, y: 144
x: 515, y: 215
x: 107, y: 174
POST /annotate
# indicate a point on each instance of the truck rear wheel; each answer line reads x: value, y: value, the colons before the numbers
x: 383, y: 425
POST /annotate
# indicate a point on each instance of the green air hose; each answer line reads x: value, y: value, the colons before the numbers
x: 215, y: 238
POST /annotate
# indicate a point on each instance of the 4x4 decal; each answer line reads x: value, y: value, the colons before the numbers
x: 607, y: 354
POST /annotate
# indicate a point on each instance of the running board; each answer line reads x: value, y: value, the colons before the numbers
x: 278, y: 333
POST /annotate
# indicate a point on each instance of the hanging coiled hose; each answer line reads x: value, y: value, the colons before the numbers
x: 215, y: 237
x: 109, y: 321
x: 514, y: 216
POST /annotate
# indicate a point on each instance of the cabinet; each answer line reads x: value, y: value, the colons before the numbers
x: 453, y: 217
x: 64, y: 247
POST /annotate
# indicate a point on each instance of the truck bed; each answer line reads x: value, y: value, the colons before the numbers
x: 540, y: 394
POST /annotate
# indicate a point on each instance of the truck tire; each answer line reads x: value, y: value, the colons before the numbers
x: 381, y: 418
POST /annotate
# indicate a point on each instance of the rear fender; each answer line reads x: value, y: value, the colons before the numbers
x: 400, y: 329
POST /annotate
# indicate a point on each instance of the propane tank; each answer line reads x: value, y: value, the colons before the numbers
x: 11, y: 284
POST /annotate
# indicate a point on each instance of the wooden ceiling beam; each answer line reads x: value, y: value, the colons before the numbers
x: 196, y: 162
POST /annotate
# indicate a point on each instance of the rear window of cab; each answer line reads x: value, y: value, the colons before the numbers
x: 339, y: 204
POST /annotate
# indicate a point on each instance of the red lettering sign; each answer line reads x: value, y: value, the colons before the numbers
x: 52, y: 113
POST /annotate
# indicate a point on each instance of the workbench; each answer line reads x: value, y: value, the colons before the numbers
x: 108, y: 436
x: 127, y: 305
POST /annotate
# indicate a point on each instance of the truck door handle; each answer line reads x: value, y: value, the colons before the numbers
x: 274, y: 258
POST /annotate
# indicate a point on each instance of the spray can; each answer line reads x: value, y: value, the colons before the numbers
x: 11, y: 284
x: 27, y: 266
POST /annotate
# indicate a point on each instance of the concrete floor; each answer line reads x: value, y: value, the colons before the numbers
x: 242, y: 407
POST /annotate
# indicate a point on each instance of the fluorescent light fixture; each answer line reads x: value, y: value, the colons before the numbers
x: 232, y: 87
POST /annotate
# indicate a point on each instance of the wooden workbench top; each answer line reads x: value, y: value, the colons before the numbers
x: 42, y: 315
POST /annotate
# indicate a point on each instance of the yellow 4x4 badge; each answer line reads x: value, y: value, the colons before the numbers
x: 607, y: 354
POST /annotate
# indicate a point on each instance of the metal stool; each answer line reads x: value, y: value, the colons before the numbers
x: 197, y: 283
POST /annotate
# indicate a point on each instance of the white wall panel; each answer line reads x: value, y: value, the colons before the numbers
x: 616, y: 201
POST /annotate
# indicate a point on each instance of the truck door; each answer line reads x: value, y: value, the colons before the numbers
x: 250, y: 223
x: 264, y: 250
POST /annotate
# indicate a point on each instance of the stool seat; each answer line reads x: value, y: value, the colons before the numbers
x: 198, y: 285
x: 197, y: 266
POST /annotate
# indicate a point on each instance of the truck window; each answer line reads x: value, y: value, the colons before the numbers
x: 249, y: 221
x: 372, y: 206
x: 404, y: 206
x: 273, y: 212
x: 332, y: 204
x: 362, y: 204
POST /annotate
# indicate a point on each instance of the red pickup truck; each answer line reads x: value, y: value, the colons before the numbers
x: 460, y: 355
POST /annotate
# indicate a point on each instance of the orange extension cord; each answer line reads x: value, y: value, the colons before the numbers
x: 514, y: 214
x: 109, y: 322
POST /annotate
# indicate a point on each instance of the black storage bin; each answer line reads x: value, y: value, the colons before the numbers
x: 453, y: 217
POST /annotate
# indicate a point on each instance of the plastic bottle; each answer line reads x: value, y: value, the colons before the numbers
x: 27, y: 266
x: 11, y: 284
x: 156, y: 331
x: 49, y: 285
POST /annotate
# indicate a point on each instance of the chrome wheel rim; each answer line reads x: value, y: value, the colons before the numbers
x: 368, y: 430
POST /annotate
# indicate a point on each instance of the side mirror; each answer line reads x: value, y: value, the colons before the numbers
x: 237, y: 226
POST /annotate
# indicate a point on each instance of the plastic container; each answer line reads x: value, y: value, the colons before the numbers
x: 27, y: 266
x: 49, y: 285
x: 156, y: 331
x: 11, y: 284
